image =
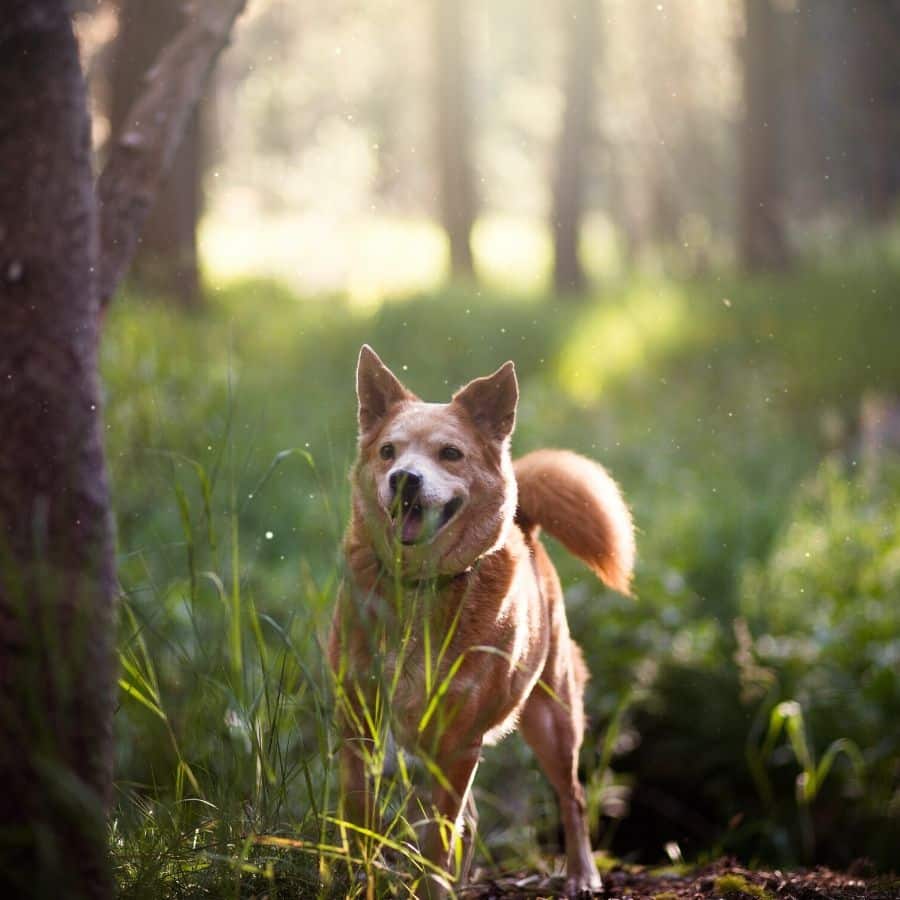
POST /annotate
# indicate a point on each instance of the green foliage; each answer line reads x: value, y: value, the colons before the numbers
x: 826, y: 613
x: 731, y: 885
x: 229, y: 437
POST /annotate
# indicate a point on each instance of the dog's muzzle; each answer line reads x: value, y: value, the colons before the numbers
x: 416, y: 521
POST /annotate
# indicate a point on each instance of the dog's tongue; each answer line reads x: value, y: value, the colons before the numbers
x: 412, y: 526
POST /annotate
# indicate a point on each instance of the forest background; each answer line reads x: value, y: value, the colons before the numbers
x: 680, y: 220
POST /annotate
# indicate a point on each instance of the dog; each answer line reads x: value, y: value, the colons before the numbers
x: 450, y: 623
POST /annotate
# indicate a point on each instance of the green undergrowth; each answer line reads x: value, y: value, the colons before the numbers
x: 737, y: 886
x: 713, y: 403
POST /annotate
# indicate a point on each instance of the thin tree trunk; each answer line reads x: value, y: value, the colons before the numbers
x: 574, y: 145
x: 57, y: 582
x: 762, y: 241
x: 879, y: 77
x: 166, y: 261
x: 457, y: 194
x: 143, y: 153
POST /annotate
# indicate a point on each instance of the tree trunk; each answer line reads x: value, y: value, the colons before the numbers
x: 166, y: 261
x: 57, y: 583
x: 762, y: 243
x: 457, y: 195
x: 574, y: 144
x: 879, y: 77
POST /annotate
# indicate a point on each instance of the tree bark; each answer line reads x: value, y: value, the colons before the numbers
x: 762, y: 241
x: 574, y: 145
x: 57, y: 583
x: 57, y: 569
x: 166, y: 260
x: 457, y: 195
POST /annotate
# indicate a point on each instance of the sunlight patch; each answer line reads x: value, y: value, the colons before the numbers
x: 616, y: 339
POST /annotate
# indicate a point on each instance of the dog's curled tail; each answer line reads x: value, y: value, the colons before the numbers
x: 577, y: 502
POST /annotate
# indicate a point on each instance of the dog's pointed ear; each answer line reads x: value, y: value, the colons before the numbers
x: 377, y: 389
x: 491, y: 401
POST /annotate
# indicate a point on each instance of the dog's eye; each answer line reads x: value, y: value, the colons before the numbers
x: 386, y: 451
x: 451, y: 453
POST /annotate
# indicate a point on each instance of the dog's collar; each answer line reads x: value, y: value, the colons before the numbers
x: 434, y: 584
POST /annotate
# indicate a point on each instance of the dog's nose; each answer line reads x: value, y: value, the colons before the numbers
x: 406, y: 481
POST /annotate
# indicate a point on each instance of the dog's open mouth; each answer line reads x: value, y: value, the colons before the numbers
x: 418, y: 523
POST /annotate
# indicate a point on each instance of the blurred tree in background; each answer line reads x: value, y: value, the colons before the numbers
x: 575, y: 143
x: 762, y: 241
x: 452, y: 138
x: 879, y: 96
x: 167, y: 260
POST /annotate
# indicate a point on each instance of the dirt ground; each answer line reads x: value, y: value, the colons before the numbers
x: 724, y: 879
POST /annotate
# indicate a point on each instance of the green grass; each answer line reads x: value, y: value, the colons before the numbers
x: 229, y: 437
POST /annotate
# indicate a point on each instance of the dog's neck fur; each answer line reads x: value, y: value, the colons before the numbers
x: 374, y: 574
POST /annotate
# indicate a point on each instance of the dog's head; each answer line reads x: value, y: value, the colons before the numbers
x: 433, y: 482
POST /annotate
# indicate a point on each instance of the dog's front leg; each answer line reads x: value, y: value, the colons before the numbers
x: 450, y: 794
x: 358, y: 808
x: 350, y: 657
x: 470, y: 829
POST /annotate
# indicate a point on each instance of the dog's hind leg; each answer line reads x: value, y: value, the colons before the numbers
x: 553, y: 726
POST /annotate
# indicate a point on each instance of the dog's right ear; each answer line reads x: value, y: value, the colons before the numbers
x: 377, y: 389
x: 492, y: 401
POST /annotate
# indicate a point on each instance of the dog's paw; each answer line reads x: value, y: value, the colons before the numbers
x: 432, y: 887
x: 583, y: 887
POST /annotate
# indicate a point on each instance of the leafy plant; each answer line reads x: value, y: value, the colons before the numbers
x: 787, y: 717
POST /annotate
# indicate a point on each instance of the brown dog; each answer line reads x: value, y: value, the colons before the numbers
x: 451, y: 626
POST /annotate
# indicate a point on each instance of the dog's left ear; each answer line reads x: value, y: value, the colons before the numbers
x: 491, y: 401
x: 377, y: 389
